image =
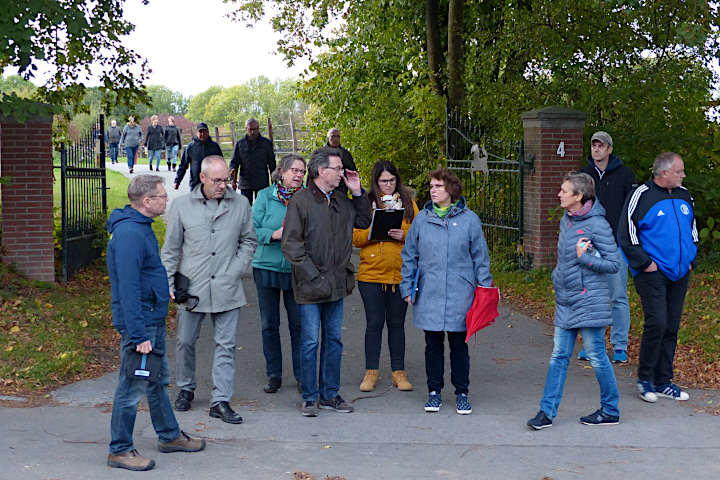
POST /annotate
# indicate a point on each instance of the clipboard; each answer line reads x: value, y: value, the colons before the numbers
x: 382, y: 222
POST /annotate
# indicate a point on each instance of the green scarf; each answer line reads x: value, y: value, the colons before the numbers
x: 443, y: 211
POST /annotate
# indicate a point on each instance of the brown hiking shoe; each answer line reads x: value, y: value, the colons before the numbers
x: 131, y: 460
x: 182, y: 444
x: 401, y: 381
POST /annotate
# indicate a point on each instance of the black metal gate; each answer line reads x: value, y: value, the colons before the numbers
x: 84, y: 201
x: 492, y: 171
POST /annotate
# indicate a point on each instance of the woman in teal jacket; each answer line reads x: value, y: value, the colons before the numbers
x: 272, y: 272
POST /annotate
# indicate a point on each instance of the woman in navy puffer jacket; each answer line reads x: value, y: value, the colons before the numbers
x: 586, y: 252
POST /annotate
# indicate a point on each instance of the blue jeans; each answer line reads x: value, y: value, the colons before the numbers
x: 171, y: 154
x: 156, y: 154
x: 131, y: 152
x: 269, y: 302
x: 329, y: 316
x: 617, y: 284
x: 594, y: 344
x: 129, y: 393
x: 114, y: 152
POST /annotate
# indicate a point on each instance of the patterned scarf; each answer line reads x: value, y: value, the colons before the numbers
x: 285, y: 193
x: 583, y: 211
x: 390, y: 202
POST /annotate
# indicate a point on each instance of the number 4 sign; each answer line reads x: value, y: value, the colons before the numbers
x: 561, y: 149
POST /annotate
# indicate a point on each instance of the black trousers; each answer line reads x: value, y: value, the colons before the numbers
x: 383, y: 305
x: 662, y: 302
x: 251, y: 195
x: 435, y: 361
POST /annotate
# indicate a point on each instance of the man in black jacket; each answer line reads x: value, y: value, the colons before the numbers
x: 253, y: 161
x: 333, y: 141
x: 613, y: 182
x: 196, y: 151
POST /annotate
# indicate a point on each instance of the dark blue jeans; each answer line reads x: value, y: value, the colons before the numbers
x: 129, y: 392
x: 435, y: 361
x: 114, y: 152
x: 269, y: 301
x: 131, y: 153
x: 328, y: 316
x: 383, y: 305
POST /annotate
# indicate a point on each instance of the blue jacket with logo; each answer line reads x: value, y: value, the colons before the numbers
x: 658, y: 225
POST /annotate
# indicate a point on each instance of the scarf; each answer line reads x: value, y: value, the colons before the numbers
x: 285, y: 193
x: 443, y: 211
x: 583, y: 211
x: 390, y: 202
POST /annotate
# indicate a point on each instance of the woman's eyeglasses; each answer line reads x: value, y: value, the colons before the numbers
x: 388, y: 181
x: 295, y: 171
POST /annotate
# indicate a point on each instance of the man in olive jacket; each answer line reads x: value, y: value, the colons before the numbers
x: 210, y: 238
x: 317, y: 241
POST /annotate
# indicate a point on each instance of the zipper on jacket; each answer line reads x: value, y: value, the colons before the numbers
x: 677, y: 219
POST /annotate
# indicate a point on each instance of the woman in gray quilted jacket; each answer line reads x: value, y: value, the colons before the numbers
x: 586, y: 252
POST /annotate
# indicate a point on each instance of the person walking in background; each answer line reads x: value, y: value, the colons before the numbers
x: 445, y: 250
x: 272, y: 272
x: 586, y: 252
x: 112, y: 138
x: 379, y: 276
x: 333, y: 141
x: 131, y: 139
x: 252, y: 161
x: 173, y: 142
x: 210, y: 239
x: 139, y: 307
x: 659, y: 238
x: 196, y: 151
x: 317, y: 241
x: 613, y: 183
x: 154, y: 142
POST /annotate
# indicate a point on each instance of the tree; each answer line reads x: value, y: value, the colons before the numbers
x: 197, y: 105
x: 76, y: 39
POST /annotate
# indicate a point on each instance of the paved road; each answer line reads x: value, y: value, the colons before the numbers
x: 389, y: 436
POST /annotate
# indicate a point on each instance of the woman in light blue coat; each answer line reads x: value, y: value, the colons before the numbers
x: 272, y: 272
x: 586, y: 252
x: 446, y: 246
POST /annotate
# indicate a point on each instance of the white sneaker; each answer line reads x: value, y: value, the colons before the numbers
x: 670, y: 390
x: 647, y: 391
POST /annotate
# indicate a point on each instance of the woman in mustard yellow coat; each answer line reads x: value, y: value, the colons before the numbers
x: 379, y: 277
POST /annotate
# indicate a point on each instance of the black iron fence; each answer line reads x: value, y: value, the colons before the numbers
x: 83, y: 199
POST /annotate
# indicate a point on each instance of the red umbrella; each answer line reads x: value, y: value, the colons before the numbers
x: 484, y: 310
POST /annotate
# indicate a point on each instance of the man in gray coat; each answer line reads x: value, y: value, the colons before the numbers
x: 210, y: 239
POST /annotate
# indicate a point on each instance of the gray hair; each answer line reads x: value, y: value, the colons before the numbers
x: 581, y: 183
x: 251, y: 120
x: 330, y: 132
x: 663, y: 162
x: 143, y: 186
x: 284, y: 165
x: 209, y: 161
x: 321, y: 158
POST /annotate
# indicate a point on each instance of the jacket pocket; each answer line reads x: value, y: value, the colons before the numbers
x: 316, y: 289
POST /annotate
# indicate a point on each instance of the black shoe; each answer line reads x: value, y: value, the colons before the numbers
x: 173, y: 168
x: 273, y: 385
x: 600, y: 418
x: 223, y: 411
x: 540, y: 421
x: 151, y: 168
x: 182, y: 402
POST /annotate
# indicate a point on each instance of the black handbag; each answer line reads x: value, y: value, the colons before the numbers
x: 143, y: 366
x: 181, y: 294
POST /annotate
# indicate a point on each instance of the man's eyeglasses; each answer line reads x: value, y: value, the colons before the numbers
x: 388, y: 181
x: 337, y: 169
x: 295, y: 171
x: 220, y: 181
x: 159, y: 196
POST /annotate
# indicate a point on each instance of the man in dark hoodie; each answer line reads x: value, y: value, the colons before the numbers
x: 139, y: 306
x: 196, y: 151
x: 613, y: 182
x: 253, y: 161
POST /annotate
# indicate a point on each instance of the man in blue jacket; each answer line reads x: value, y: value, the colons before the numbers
x: 139, y: 305
x: 658, y: 236
x: 613, y: 183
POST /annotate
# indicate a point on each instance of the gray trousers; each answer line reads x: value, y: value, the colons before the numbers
x: 223, y: 371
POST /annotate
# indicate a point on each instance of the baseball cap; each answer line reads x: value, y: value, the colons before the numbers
x: 603, y: 137
x: 203, y: 126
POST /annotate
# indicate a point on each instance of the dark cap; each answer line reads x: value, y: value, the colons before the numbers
x: 603, y: 137
x: 202, y: 126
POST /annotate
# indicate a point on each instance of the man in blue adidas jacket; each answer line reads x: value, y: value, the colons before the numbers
x: 658, y: 236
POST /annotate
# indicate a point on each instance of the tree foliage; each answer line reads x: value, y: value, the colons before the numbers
x: 75, y: 40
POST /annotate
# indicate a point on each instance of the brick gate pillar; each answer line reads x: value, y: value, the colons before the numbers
x: 555, y: 136
x: 27, y: 202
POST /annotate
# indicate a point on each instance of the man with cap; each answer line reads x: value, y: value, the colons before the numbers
x: 203, y: 146
x: 613, y: 182
x: 253, y: 161
x: 333, y: 141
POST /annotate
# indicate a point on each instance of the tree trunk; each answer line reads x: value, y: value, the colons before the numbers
x: 456, y: 27
x: 434, y: 49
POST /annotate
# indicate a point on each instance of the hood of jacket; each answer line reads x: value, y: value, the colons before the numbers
x: 126, y: 214
x: 596, y: 210
x: 613, y: 162
x: 459, y: 207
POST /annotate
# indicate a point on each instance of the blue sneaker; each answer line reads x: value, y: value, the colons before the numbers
x: 647, y: 391
x: 670, y: 390
x: 540, y: 421
x: 620, y: 356
x: 434, y: 402
x: 463, y: 406
x: 583, y: 356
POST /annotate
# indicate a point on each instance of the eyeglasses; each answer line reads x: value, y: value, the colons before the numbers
x: 437, y: 186
x: 295, y: 171
x: 388, y: 181
x: 337, y: 169
x: 159, y: 196
x: 219, y: 181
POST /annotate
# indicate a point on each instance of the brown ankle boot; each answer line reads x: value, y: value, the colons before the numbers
x: 401, y: 381
x: 370, y: 380
x: 131, y: 460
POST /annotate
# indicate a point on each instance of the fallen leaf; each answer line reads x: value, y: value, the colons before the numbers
x: 327, y: 447
x: 15, y: 329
